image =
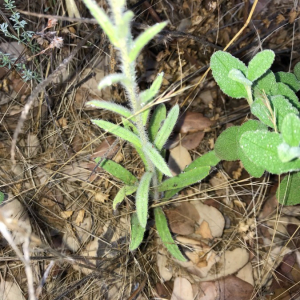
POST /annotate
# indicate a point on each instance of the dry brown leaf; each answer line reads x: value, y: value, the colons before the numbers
x: 204, y: 230
x: 10, y: 291
x: 212, y: 216
x: 164, y: 268
x: 179, y: 158
x: 220, y: 184
x: 192, y: 140
x: 182, y: 289
x: 183, y: 218
x: 206, y: 291
x: 246, y: 273
x: 79, y: 218
x: 101, y: 197
x: 66, y: 214
x: 192, y: 122
x: 233, y: 288
x: 103, y: 148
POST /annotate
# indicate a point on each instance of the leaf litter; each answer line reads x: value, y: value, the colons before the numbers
x: 55, y: 193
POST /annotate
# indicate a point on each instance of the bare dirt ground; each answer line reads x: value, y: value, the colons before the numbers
x: 66, y: 239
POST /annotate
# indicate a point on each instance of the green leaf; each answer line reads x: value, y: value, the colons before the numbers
x: 111, y: 79
x: 159, y: 115
x: 226, y: 146
x: 289, y: 79
x: 119, y: 131
x: 123, y: 27
x: 288, y: 190
x: 259, y: 108
x: 147, y: 95
x: 103, y: 20
x: 116, y: 108
x: 122, y: 193
x: 252, y: 168
x: 288, y: 93
x: 260, y: 147
x: 165, y: 235
x: 297, y: 70
x: 282, y: 107
x: 221, y: 64
x: 116, y: 170
x: 287, y: 153
x: 208, y: 159
x: 137, y: 232
x: 260, y: 63
x: 290, y: 130
x: 142, y: 198
x: 238, y: 76
x: 167, y: 127
x: 143, y: 39
x: 157, y: 159
x: 129, y: 125
x: 266, y: 83
x: 2, y: 197
x: 184, y: 179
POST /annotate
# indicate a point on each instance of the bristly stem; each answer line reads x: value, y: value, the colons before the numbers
x: 132, y: 89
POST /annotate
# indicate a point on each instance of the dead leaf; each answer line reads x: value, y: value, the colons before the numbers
x: 183, y: 218
x: 204, y: 230
x: 10, y: 291
x: 233, y: 288
x: 79, y: 217
x: 220, y: 184
x: 246, y: 273
x: 192, y: 122
x: 192, y: 140
x: 164, y: 268
x: 212, y: 216
x: 179, y: 159
x: 105, y: 148
x: 182, y: 289
x: 101, y: 197
x: 206, y: 291
x: 66, y: 214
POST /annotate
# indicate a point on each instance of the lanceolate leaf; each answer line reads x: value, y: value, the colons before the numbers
x: 208, y: 159
x: 165, y: 235
x: 260, y: 63
x: 103, y: 20
x: 123, y: 27
x: 119, y: 131
x: 159, y: 115
x: 124, y: 191
x: 184, y: 179
x: 143, y: 39
x: 167, y: 127
x: 119, y: 109
x: 149, y: 94
x: 157, y: 159
x: 142, y: 197
x: 137, y: 232
x: 117, y: 171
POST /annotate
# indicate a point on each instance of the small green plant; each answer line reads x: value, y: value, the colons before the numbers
x: 146, y: 134
x: 22, y: 36
x: 271, y: 143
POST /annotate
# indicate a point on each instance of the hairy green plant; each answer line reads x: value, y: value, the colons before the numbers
x: 271, y: 143
x: 22, y: 36
x: 146, y: 134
